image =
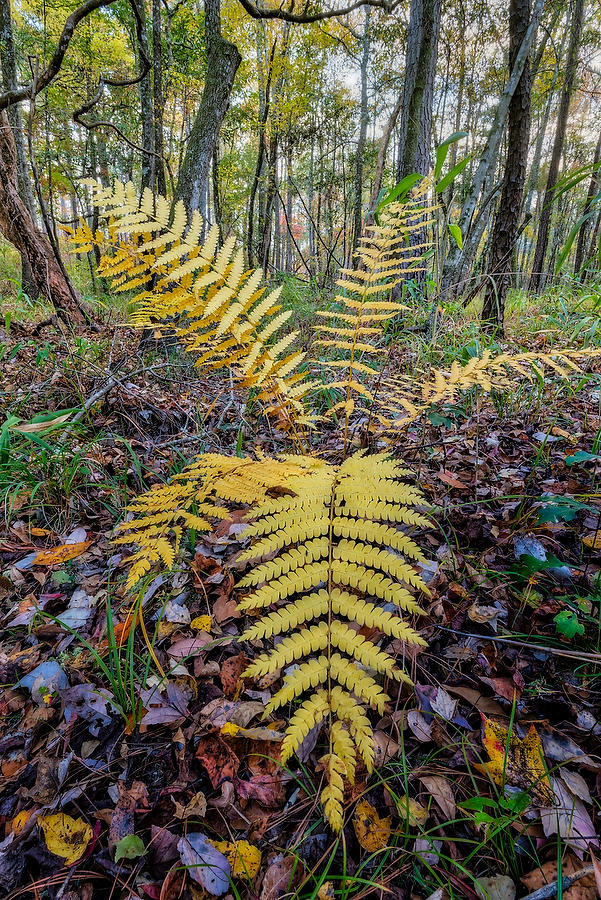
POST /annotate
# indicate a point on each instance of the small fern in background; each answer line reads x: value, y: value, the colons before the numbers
x: 403, y: 399
x: 387, y: 255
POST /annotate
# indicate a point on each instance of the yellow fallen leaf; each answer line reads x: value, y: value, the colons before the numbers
x: 39, y: 532
x: 201, y: 623
x: 516, y: 761
x: 61, y: 554
x: 413, y: 812
x: 593, y: 540
x: 244, y: 858
x: 326, y: 891
x: 66, y: 837
x: 371, y: 829
x: 230, y: 729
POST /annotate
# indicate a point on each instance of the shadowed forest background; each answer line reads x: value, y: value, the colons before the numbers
x: 300, y: 449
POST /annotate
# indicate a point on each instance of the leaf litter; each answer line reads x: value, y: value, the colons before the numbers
x: 166, y: 786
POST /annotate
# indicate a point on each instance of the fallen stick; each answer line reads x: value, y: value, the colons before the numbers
x: 551, y: 890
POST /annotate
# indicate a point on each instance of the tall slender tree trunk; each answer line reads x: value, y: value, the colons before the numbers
x: 223, y: 59
x: 577, y: 22
x: 158, y: 100
x: 363, y: 124
x: 19, y: 228
x: 146, y: 108
x: 505, y: 230
x: 455, y: 261
x: 420, y: 47
x: 593, y: 190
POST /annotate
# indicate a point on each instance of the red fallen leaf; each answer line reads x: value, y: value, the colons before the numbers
x: 231, y: 672
x: 219, y: 760
x: 268, y: 790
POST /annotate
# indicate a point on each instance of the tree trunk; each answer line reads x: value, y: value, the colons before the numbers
x: 420, y: 45
x: 423, y: 160
x: 19, y: 228
x: 505, y: 230
x: 223, y: 59
x: 158, y: 99
x: 9, y: 82
x: 488, y: 158
x: 536, y: 278
x: 147, y: 113
x: 363, y: 123
x: 593, y: 190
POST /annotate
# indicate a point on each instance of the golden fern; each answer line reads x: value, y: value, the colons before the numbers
x: 338, y: 567
x: 194, y: 498
x: 403, y: 398
x: 219, y: 310
x: 387, y: 255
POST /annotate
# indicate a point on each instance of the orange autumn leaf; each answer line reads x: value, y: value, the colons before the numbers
x: 61, y: 554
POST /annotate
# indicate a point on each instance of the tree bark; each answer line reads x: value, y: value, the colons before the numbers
x: 9, y: 82
x: 223, y: 59
x: 158, y: 99
x: 505, y: 230
x: 488, y: 158
x: 363, y: 123
x: 577, y: 22
x: 19, y: 228
x: 146, y: 108
x: 593, y: 190
x: 417, y: 68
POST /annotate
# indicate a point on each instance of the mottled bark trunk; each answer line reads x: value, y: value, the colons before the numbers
x: 223, y: 59
x: 577, y: 21
x: 9, y: 82
x: 146, y: 110
x: 505, y: 229
x: 456, y: 259
x: 419, y: 54
x: 19, y: 228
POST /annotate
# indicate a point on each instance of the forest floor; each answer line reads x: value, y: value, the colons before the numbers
x: 488, y: 779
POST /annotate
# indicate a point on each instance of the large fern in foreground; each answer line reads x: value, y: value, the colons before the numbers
x: 193, y: 499
x: 221, y: 311
x: 341, y: 565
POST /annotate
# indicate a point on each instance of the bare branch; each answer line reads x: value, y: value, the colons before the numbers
x: 31, y: 90
x: 305, y: 18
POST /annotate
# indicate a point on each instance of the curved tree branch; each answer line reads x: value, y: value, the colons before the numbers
x: 305, y: 18
x: 31, y: 90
